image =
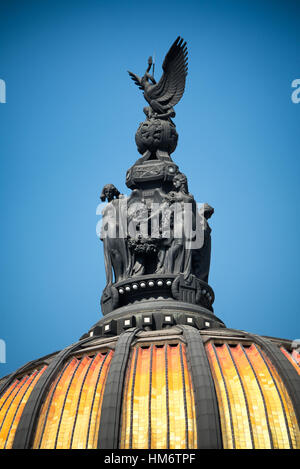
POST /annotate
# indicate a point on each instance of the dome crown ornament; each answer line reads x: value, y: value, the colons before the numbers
x: 156, y: 137
x: 162, y: 96
x: 157, y: 241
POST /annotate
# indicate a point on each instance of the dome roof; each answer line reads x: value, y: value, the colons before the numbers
x: 178, y: 387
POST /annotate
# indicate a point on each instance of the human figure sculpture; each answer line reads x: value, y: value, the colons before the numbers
x: 162, y: 96
x: 182, y: 206
x: 113, y: 234
x: 201, y: 257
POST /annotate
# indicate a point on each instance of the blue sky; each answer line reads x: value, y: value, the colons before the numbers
x: 68, y: 128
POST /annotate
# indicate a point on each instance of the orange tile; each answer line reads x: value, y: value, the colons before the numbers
x: 13, y: 403
x: 71, y: 412
x: 169, y: 415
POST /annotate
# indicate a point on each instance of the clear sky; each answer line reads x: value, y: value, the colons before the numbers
x: 68, y: 128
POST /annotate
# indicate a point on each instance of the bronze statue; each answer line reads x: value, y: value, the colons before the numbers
x: 156, y: 244
x: 201, y: 256
x: 179, y: 255
x: 114, y: 242
x: 162, y: 96
x: 109, y: 192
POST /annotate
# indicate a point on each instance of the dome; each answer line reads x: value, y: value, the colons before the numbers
x: 178, y: 387
x: 159, y: 370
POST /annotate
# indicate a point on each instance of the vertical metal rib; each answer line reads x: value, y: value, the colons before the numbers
x: 262, y: 396
x: 93, y: 401
x: 132, y: 396
x: 19, y: 390
x: 109, y: 430
x: 184, y: 399
x: 26, y: 429
x: 167, y: 396
x: 79, y: 398
x: 280, y: 398
x: 244, y: 394
x: 64, y: 402
x: 285, y: 369
x: 227, y: 395
x: 50, y: 402
x: 206, y: 404
x: 150, y: 398
x: 9, y: 394
x: 18, y: 406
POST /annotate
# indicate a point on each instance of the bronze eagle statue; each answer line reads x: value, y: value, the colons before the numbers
x: 162, y: 96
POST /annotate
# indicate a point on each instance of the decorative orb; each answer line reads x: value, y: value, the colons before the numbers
x: 156, y: 134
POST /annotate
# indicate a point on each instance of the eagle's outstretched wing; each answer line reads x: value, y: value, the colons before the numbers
x: 170, y: 88
x: 137, y: 80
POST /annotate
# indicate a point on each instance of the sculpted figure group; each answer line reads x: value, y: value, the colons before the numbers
x: 169, y: 236
x: 158, y: 230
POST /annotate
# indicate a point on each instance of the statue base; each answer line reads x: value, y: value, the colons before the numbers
x: 155, y: 315
x: 157, y: 287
